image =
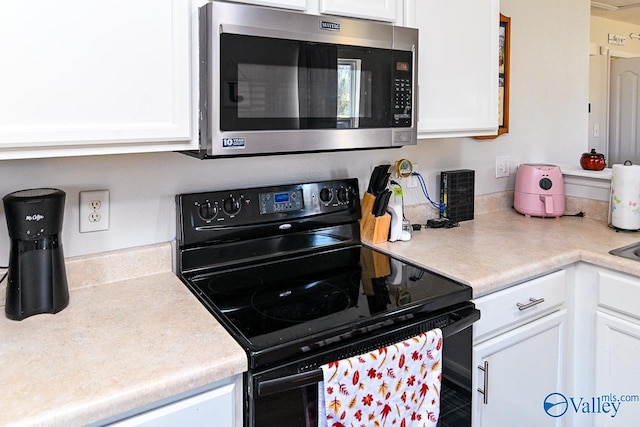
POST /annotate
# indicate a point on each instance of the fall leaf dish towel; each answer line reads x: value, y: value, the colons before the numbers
x: 398, y: 385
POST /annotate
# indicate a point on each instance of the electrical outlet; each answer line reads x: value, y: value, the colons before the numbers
x: 412, y: 181
x: 94, y: 211
x: 502, y: 166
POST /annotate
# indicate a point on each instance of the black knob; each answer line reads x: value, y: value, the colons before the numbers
x: 545, y: 184
x: 208, y: 211
x: 343, y: 195
x: 326, y: 195
x: 231, y: 206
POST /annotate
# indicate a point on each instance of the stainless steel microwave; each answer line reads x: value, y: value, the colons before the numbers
x: 273, y: 81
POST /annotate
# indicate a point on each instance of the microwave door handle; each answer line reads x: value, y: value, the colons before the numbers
x: 290, y: 382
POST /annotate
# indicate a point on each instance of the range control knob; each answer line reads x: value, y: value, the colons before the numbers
x: 326, y: 195
x: 546, y: 184
x: 343, y: 195
x: 207, y: 211
x: 231, y: 206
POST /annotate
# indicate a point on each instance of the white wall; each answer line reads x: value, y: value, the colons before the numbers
x: 548, y: 123
x: 598, y: 72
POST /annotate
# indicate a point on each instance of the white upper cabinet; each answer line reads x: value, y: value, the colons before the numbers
x: 458, y: 66
x: 381, y: 10
x: 90, y: 77
x: 286, y: 4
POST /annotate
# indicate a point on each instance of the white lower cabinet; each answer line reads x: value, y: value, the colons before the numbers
x: 617, y: 349
x: 520, y: 369
x: 520, y: 353
x: 220, y: 407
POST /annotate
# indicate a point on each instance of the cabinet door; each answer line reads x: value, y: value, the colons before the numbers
x: 197, y: 411
x: 94, y: 74
x: 286, y: 4
x: 458, y: 66
x: 617, y: 371
x: 525, y: 365
x: 382, y: 10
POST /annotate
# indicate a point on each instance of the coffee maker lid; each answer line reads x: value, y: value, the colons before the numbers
x: 35, y: 192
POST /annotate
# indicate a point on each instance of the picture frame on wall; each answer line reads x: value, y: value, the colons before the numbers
x: 504, y: 49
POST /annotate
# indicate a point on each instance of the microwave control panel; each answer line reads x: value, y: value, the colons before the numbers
x: 402, y: 89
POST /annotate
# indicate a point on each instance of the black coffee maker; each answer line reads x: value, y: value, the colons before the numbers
x: 37, y: 279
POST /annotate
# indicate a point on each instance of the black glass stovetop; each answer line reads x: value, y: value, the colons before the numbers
x: 320, y: 296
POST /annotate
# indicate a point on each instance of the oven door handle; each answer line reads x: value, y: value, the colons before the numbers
x: 310, y: 378
x: 469, y: 316
x: 290, y: 382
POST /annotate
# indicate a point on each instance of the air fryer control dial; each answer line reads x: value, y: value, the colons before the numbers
x: 545, y: 184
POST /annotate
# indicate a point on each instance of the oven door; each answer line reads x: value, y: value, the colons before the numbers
x: 288, y: 395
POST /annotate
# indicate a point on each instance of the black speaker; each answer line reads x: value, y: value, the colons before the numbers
x: 36, y: 279
x: 457, y: 192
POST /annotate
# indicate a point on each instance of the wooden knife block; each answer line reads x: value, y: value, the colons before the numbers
x: 373, y: 229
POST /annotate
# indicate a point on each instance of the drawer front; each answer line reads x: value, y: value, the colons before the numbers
x: 525, y: 302
x: 619, y: 292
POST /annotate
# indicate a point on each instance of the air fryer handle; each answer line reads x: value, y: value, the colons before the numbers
x: 548, y: 204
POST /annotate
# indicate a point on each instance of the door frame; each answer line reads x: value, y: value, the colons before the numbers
x: 611, y: 55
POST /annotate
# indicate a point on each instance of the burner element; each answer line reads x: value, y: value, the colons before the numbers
x: 237, y: 283
x: 300, y: 301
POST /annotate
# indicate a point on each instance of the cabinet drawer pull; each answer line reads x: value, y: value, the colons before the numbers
x: 532, y: 302
x: 485, y: 382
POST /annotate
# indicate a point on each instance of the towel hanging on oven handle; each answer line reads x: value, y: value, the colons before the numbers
x: 468, y: 316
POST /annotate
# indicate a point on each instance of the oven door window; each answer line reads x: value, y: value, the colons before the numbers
x: 298, y: 407
x: 276, y: 84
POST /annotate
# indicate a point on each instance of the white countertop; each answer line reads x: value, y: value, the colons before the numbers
x: 503, y: 248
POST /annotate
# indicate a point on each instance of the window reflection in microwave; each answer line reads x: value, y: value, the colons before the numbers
x: 278, y: 91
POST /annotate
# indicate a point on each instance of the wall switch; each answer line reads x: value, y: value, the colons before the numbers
x: 502, y: 166
x: 94, y: 211
x: 596, y: 131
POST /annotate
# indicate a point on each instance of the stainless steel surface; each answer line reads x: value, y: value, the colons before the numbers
x: 532, y: 302
x: 217, y: 17
x: 631, y: 251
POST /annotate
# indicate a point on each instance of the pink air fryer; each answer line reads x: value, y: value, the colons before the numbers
x: 539, y: 190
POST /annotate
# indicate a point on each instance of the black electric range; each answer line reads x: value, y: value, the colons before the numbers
x: 282, y: 268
